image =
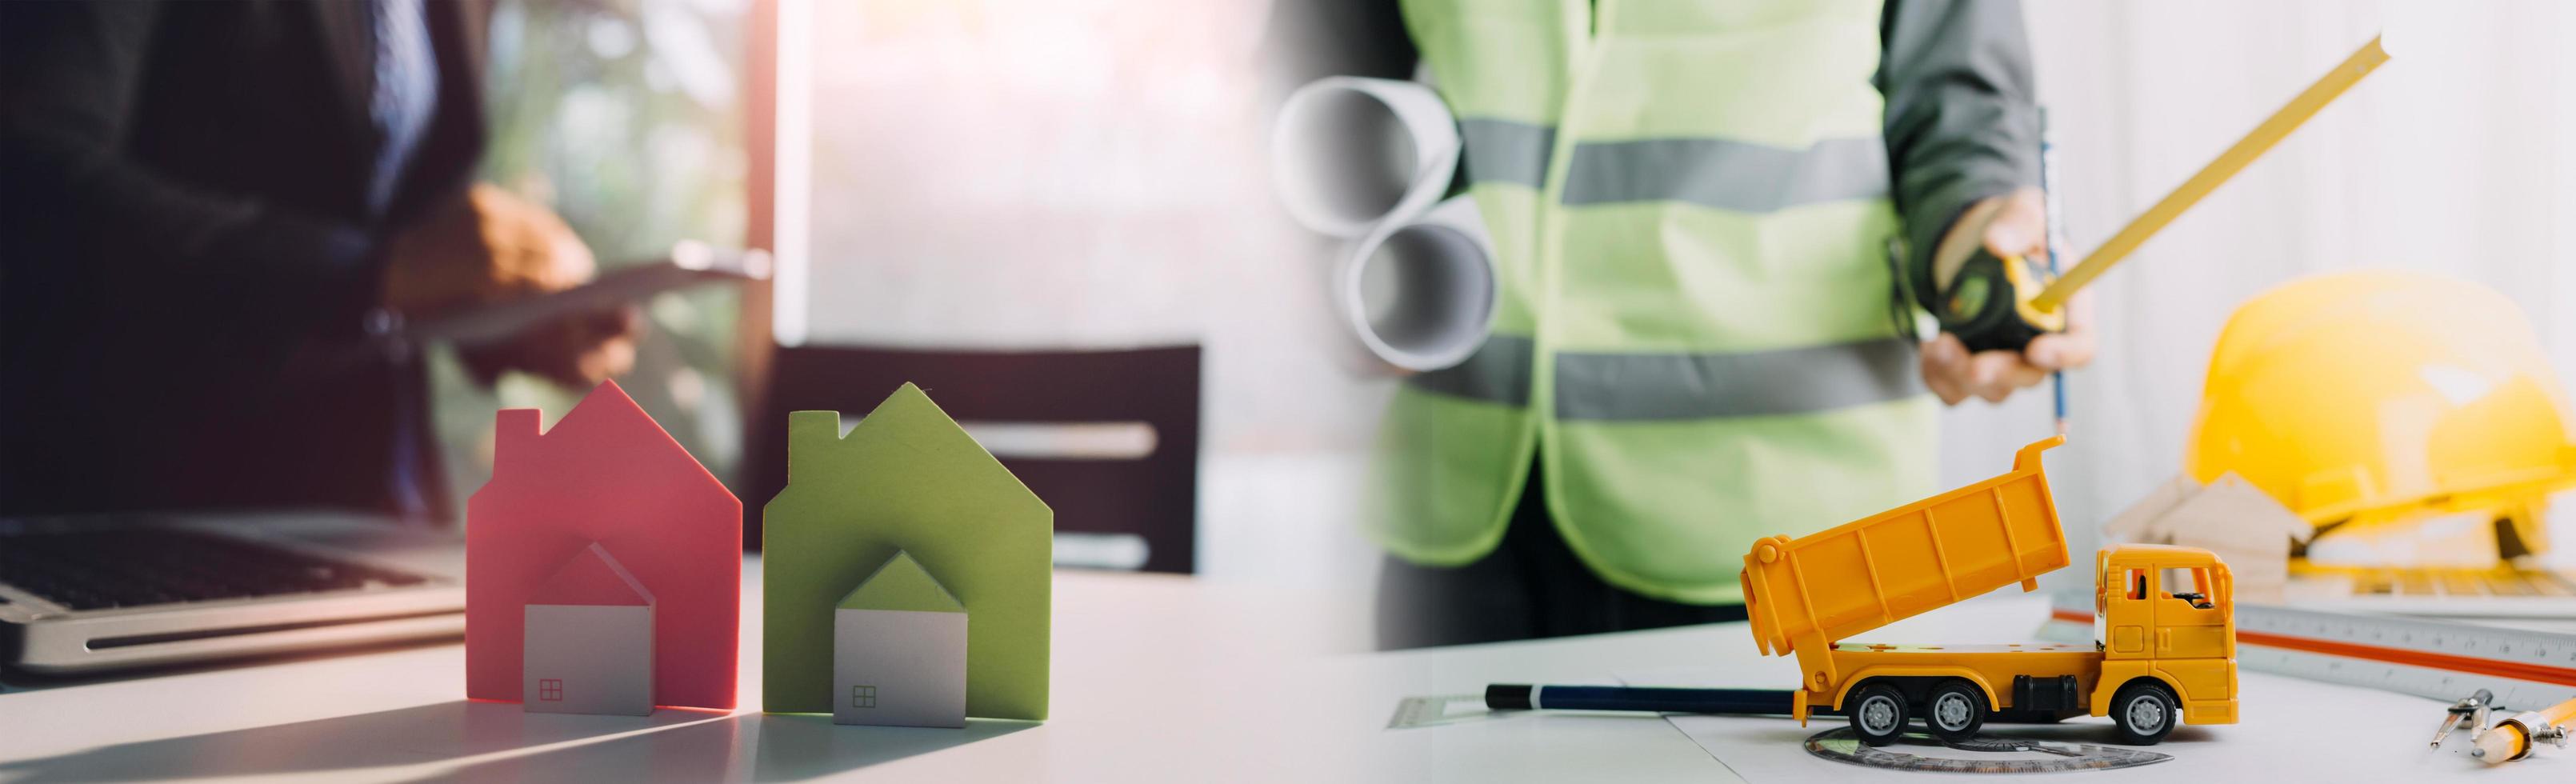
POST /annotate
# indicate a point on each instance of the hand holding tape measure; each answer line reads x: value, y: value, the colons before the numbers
x: 2003, y: 302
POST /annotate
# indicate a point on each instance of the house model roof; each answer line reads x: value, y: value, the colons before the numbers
x: 2228, y: 506
x: 605, y: 441
x: 901, y: 584
x: 592, y: 577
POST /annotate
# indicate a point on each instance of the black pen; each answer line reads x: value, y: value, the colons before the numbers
x: 1760, y: 702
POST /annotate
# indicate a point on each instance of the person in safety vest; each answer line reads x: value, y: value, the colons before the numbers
x: 1712, y: 220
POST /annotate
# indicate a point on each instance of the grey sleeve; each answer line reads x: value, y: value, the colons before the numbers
x: 1962, y: 117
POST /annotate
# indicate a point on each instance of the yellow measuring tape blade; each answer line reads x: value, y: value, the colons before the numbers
x: 2218, y: 172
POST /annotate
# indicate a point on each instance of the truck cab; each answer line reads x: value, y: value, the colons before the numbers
x: 2168, y: 634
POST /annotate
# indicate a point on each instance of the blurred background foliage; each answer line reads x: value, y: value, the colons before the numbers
x: 579, y: 96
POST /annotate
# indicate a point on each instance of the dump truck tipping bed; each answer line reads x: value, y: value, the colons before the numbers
x: 1806, y: 593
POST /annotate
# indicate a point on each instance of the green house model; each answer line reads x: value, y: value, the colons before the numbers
x: 906, y: 479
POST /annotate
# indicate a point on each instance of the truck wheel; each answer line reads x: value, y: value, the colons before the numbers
x: 1955, y: 710
x: 1877, y: 713
x: 2145, y: 712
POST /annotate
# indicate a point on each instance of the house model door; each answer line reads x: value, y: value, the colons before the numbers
x: 588, y: 641
x: 899, y: 651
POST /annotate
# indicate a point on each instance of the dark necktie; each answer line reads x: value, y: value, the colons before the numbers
x: 406, y: 93
x: 404, y: 100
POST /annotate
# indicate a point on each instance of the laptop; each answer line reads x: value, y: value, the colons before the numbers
x: 90, y: 594
x: 85, y: 594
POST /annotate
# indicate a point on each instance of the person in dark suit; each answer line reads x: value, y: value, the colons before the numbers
x: 203, y: 205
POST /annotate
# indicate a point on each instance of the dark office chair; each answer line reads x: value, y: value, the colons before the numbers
x: 1152, y: 497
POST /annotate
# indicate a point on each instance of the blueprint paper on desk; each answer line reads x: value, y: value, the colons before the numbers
x: 1757, y: 748
x: 1773, y: 748
x: 1762, y: 750
x: 2292, y: 730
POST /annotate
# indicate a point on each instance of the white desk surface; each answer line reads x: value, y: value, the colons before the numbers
x: 2292, y: 729
x: 1156, y: 679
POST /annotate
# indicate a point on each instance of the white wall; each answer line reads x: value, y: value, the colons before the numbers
x: 1091, y: 174
x: 1067, y: 174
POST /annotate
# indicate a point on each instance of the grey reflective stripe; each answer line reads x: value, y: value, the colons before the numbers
x: 1640, y: 386
x: 1726, y: 174
x: 1506, y: 151
x: 1757, y: 383
x: 1499, y: 372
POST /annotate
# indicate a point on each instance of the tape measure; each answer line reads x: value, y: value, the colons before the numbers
x: 1980, y: 754
x: 1990, y: 304
x: 2441, y: 660
x: 2004, y: 302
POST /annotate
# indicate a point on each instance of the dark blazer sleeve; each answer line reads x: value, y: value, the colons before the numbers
x: 69, y: 77
x: 1962, y: 117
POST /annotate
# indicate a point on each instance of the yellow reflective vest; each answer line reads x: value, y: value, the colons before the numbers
x: 1689, y: 200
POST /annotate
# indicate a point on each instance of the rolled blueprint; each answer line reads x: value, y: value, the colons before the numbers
x: 1420, y: 292
x: 1350, y: 153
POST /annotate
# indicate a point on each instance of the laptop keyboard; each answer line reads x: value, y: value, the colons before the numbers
x: 132, y: 567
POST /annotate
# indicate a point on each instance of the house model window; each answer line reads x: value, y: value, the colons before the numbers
x: 863, y: 696
x: 550, y: 689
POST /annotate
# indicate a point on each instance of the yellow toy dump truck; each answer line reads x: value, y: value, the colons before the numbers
x: 2171, y: 656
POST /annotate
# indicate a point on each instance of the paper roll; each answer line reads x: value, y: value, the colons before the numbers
x: 1420, y: 293
x: 1349, y: 153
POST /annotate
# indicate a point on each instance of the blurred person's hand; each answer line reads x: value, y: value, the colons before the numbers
x: 2014, y: 224
x: 487, y: 245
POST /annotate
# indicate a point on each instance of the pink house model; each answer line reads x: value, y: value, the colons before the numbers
x: 605, y: 474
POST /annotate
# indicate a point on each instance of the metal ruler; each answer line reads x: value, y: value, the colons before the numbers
x: 2441, y: 660
x: 2435, y: 659
x: 1984, y: 754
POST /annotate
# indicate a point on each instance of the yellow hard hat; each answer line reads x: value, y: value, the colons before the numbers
x: 2379, y: 395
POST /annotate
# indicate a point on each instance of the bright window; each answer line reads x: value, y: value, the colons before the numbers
x: 628, y: 118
